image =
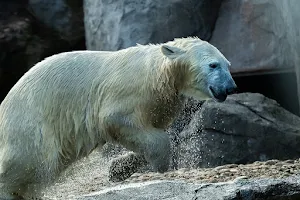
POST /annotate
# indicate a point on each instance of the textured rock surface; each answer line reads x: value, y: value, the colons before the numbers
x: 288, y: 188
x: 245, y: 128
x: 257, y: 34
x: 112, y: 25
x: 64, y: 16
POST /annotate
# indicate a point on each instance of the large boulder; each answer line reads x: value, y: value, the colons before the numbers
x: 113, y: 25
x: 257, y: 35
x: 245, y: 128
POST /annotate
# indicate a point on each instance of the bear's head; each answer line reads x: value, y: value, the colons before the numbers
x: 206, y: 70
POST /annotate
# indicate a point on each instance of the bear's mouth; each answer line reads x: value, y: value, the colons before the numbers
x: 219, y: 97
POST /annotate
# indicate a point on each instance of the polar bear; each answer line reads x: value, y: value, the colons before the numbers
x: 70, y: 103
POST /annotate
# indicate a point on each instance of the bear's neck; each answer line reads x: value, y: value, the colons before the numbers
x: 168, y: 80
x: 162, y: 74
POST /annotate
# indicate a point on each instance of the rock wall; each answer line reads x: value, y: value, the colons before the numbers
x: 257, y: 36
x: 113, y: 25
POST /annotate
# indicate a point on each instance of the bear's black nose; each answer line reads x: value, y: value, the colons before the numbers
x: 231, y: 90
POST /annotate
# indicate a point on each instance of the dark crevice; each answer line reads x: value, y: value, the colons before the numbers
x: 280, y: 86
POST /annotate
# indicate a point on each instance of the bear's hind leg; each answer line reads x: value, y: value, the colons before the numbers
x: 155, y: 147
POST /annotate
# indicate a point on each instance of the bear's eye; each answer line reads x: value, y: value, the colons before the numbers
x: 213, y: 65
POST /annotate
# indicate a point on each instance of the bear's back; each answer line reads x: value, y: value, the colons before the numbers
x: 62, y: 73
x: 59, y: 84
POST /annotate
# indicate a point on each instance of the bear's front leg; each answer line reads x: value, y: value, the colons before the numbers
x: 149, y: 144
x: 153, y: 144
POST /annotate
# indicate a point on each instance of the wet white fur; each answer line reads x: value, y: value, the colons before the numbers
x: 70, y: 103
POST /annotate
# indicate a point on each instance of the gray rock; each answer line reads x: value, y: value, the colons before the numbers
x: 64, y: 16
x: 245, y: 128
x: 113, y: 25
x: 254, y: 35
x: 272, y: 189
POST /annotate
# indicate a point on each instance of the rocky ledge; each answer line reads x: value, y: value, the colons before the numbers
x: 272, y: 179
x: 239, y: 189
x: 269, y: 169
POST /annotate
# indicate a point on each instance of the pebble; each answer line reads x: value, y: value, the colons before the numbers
x: 224, y: 170
x: 271, y: 162
x: 220, y: 167
x: 279, y: 164
x: 232, y: 165
x: 182, y: 170
x: 289, y: 161
x: 241, y: 178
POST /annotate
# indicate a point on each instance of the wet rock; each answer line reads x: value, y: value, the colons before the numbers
x: 113, y: 25
x: 245, y: 128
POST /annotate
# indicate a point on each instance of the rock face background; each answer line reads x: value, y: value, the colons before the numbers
x: 113, y: 25
x: 256, y: 35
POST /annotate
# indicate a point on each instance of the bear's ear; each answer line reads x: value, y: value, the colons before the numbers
x: 171, y: 51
